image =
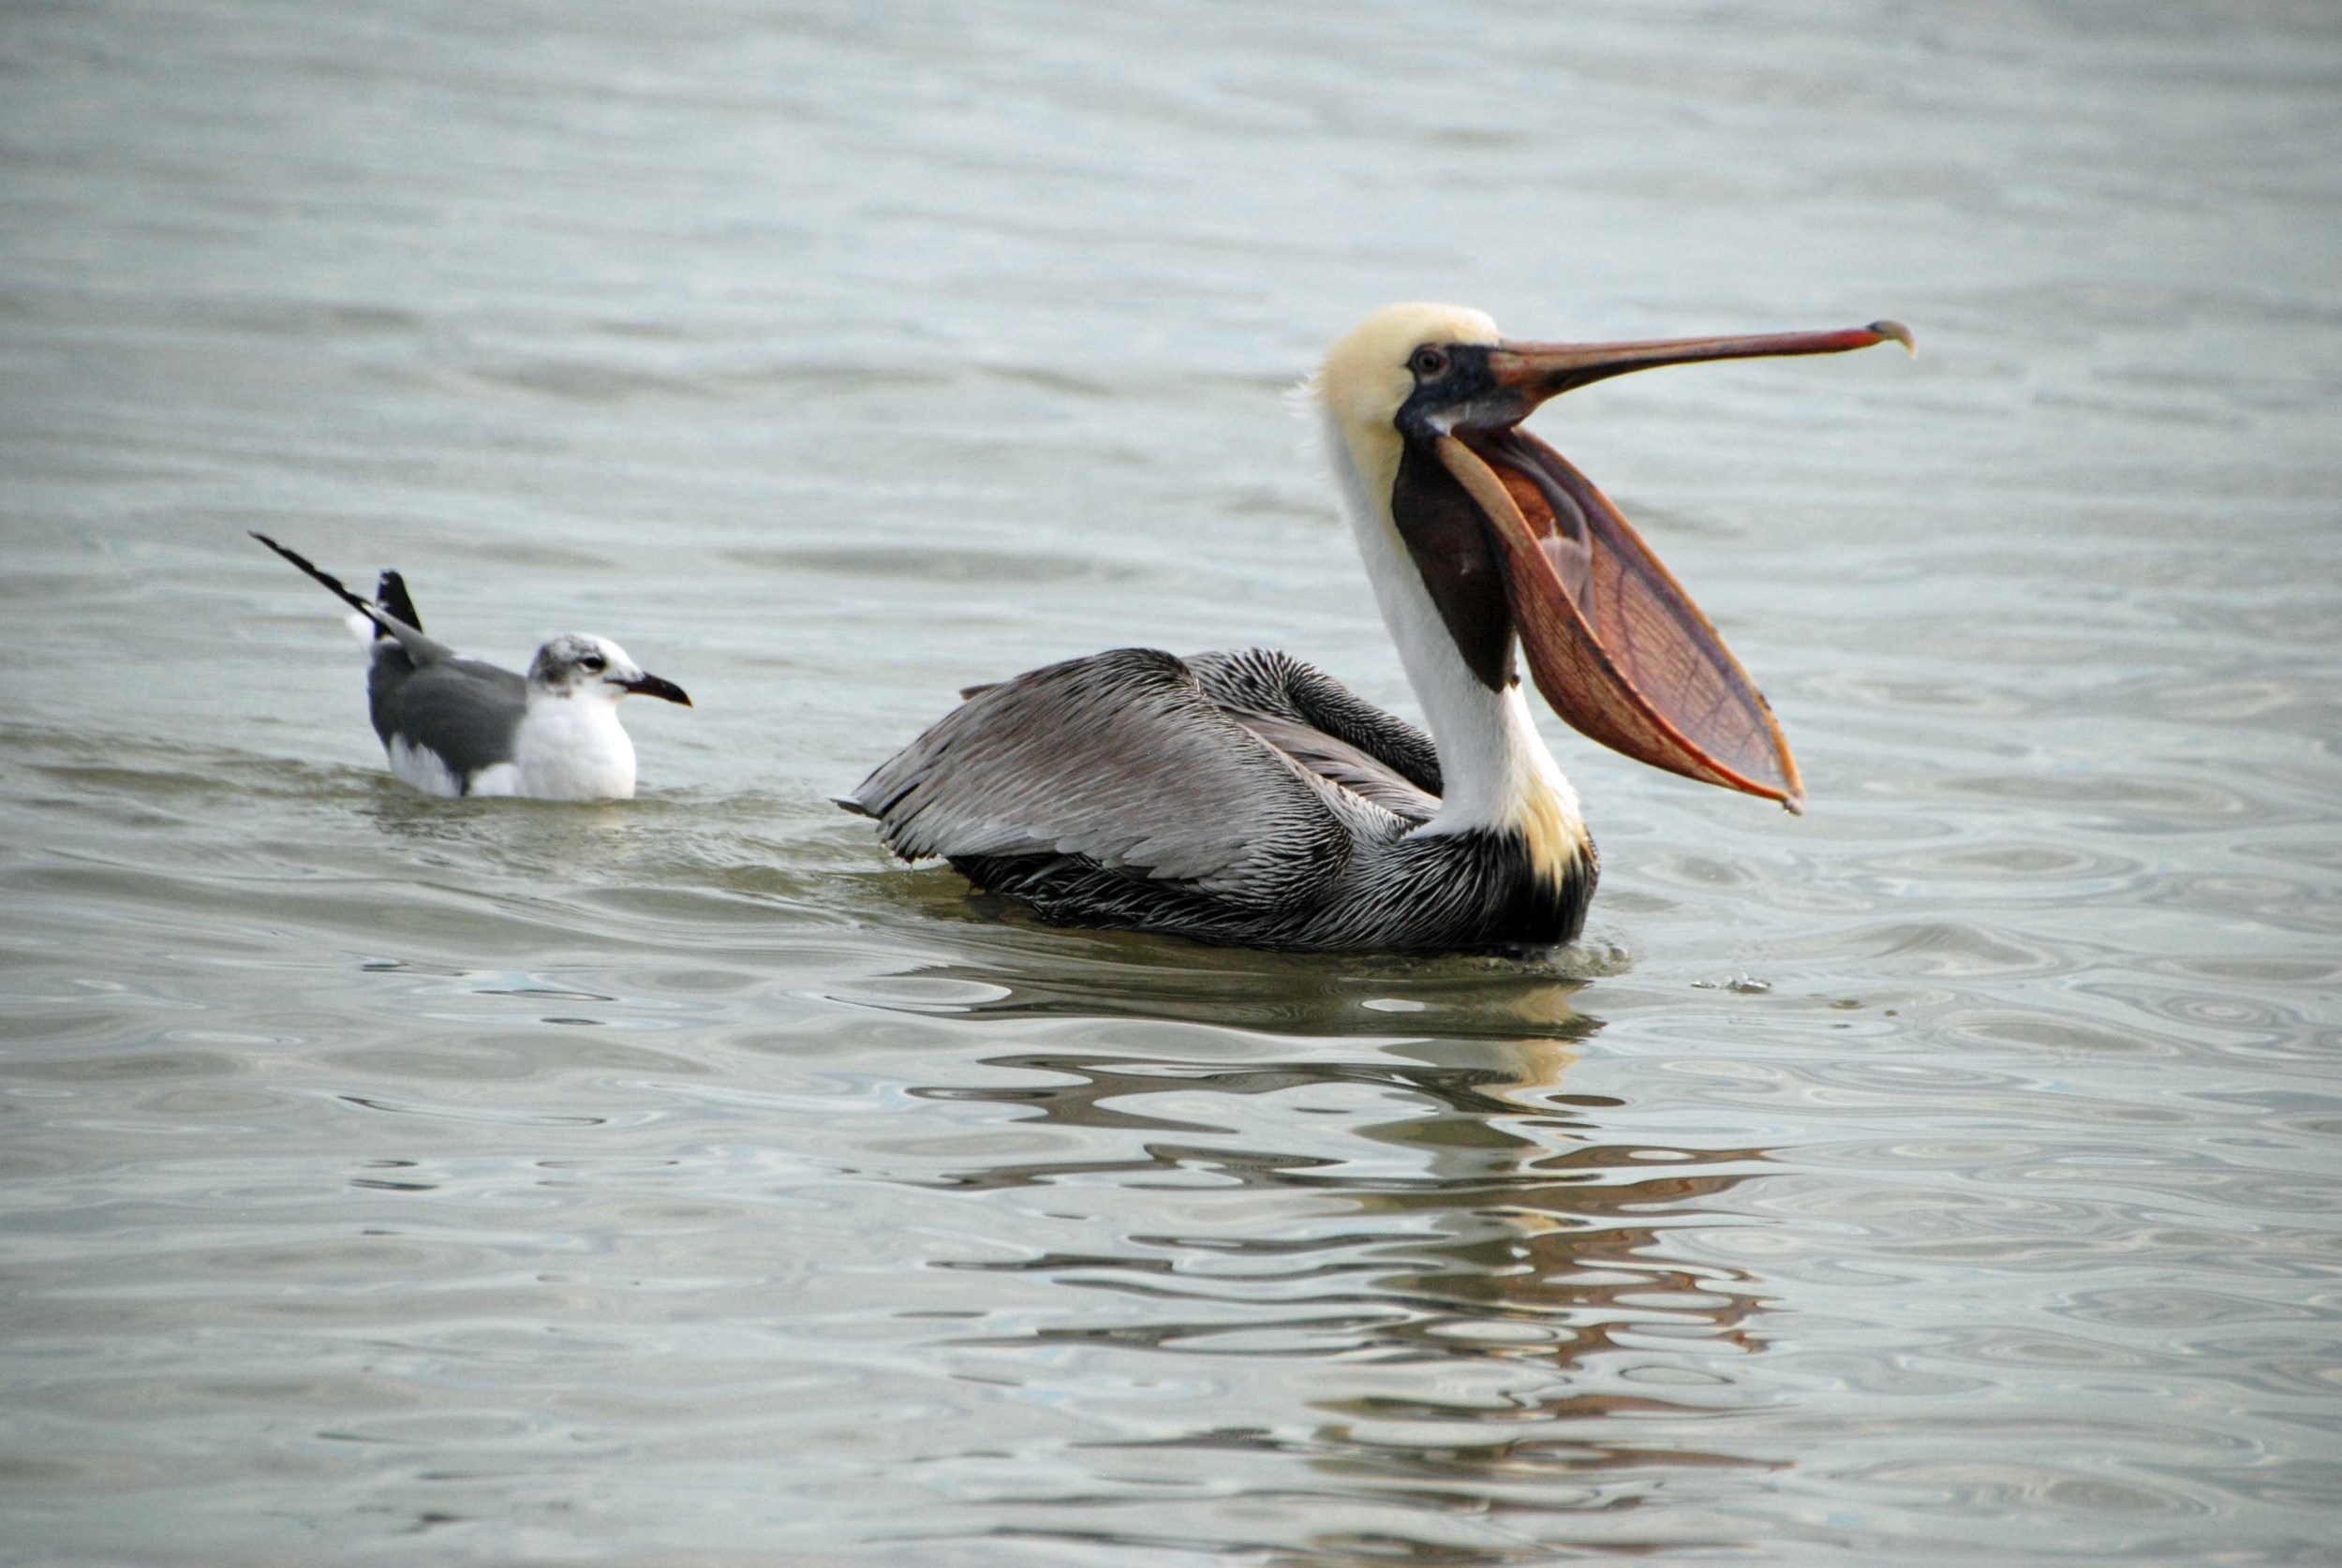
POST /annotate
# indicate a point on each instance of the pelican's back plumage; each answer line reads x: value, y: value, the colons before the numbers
x: 1243, y: 798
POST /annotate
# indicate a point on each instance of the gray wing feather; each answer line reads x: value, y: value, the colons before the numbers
x: 1274, y: 684
x: 463, y: 710
x: 1122, y: 759
x: 1345, y: 764
x: 422, y: 649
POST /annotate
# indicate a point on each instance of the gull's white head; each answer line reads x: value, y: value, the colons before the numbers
x: 578, y: 664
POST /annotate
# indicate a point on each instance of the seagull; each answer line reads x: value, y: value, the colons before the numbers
x: 1252, y: 800
x: 456, y: 726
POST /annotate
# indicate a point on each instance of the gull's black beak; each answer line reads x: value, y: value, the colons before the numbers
x: 652, y: 686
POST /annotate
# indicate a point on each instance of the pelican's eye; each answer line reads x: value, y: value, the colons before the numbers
x: 1427, y: 361
x: 593, y: 664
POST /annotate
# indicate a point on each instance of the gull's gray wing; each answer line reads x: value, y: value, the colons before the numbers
x: 1325, y: 727
x: 421, y: 692
x: 1122, y: 759
x: 465, y: 711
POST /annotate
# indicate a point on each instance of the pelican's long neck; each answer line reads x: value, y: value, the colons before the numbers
x: 1495, y: 770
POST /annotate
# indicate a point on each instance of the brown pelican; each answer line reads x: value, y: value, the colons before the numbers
x: 1247, y: 799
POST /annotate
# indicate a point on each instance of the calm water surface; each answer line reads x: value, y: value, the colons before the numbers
x: 1947, y: 1174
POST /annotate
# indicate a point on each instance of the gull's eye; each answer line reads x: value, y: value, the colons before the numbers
x: 1427, y: 361
x: 593, y: 664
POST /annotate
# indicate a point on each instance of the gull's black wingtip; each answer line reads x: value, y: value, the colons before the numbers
x: 333, y: 583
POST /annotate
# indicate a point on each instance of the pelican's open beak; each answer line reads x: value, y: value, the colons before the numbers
x: 1612, y: 639
x: 653, y: 685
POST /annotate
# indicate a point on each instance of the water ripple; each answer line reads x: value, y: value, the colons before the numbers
x: 1944, y: 1174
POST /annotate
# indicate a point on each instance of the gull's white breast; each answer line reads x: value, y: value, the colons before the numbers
x: 571, y: 748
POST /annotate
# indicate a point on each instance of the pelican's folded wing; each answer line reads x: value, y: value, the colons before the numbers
x: 1325, y: 727
x: 1122, y: 759
x: 1357, y: 771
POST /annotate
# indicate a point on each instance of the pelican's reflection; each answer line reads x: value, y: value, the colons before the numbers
x: 1007, y: 971
x: 1453, y: 1207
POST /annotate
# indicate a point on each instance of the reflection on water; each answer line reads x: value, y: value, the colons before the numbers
x: 1942, y: 1176
x: 1027, y: 970
x: 1503, y: 1247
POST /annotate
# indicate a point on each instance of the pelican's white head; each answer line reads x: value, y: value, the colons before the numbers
x: 1365, y: 379
x: 1474, y: 533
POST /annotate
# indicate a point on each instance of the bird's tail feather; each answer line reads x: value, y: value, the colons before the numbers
x: 391, y: 594
x: 386, y: 619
